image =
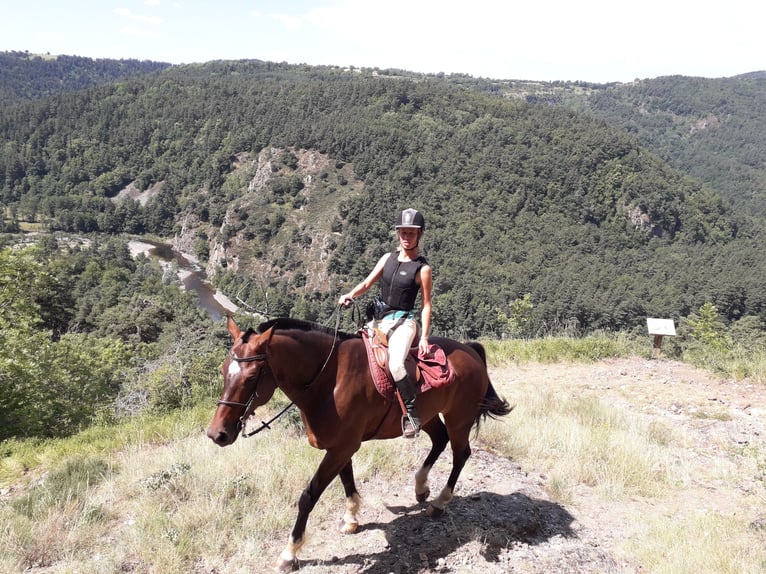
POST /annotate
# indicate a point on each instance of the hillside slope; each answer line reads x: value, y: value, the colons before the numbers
x: 712, y: 129
x: 520, y: 198
x: 186, y: 505
x: 25, y: 76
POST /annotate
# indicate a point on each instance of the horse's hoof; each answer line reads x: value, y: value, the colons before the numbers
x: 434, y: 512
x: 422, y: 496
x: 349, y: 527
x: 282, y: 566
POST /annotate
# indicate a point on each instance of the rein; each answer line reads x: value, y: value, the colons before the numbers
x: 262, y: 357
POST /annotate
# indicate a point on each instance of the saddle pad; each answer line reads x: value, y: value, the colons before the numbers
x: 381, y: 377
x: 434, y: 369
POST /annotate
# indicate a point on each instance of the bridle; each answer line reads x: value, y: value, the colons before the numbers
x: 249, y: 404
x: 248, y: 410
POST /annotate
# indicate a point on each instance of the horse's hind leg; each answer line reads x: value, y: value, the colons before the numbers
x: 438, y: 433
x: 461, y: 450
x: 350, y: 520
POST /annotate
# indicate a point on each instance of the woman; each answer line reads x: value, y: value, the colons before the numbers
x: 402, y: 274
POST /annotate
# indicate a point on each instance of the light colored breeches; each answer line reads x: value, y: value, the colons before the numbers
x: 399, y: 344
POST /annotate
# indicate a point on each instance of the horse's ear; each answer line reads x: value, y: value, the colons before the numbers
x: 234, y: 331
x: 265, y: 337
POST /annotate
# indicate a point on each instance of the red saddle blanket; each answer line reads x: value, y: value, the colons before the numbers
x: 433, y: 369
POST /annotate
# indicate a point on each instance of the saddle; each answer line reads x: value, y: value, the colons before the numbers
x: 428, y: 371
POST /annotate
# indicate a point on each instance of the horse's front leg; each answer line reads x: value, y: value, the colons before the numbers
x: 353, y: 501
x: 332, y: 463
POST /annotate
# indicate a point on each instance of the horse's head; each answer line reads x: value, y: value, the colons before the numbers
x: 245, y: 383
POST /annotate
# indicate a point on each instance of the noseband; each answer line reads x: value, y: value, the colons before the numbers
x: 247, y: 406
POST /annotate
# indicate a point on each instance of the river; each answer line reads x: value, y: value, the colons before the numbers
x: 191, y: 275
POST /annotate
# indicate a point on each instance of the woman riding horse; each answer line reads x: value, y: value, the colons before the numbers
x: 326, y: 374
x: 402, y: 274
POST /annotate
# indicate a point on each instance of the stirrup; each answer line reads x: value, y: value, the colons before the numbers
x: 409, y: 429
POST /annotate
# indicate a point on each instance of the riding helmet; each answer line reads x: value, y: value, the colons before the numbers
x: 411, y: 218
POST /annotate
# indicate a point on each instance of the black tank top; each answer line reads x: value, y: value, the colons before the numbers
x: 399, y: 289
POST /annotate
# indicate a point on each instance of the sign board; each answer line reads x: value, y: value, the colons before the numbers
x: 661, y: 326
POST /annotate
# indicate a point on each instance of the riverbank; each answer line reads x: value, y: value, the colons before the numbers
x: 225, y: 302
x: 137, y: 247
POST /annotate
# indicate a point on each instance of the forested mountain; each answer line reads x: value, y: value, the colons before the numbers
x: 550, y: 207
x: 711, y: 129
x: 34, y: 76
x: 287, y: 179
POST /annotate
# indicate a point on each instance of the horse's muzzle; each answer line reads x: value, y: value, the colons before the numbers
x: 221, y: 437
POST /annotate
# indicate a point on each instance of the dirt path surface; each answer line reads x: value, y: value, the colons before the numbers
x: 502, y: 518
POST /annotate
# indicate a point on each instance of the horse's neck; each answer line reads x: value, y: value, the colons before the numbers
x: 299, y: 360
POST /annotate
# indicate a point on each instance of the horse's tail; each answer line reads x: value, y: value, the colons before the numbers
x: 493, y: 405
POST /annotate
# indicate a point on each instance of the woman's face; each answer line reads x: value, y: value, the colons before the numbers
x: 408, y: 237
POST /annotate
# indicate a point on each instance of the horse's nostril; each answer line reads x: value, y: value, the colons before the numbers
x: 218, y: 437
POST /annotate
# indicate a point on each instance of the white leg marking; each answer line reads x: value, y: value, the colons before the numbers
x: 421, y: 480
x: 350, y: 520
x: 443, y: 499
x: 289, y: 554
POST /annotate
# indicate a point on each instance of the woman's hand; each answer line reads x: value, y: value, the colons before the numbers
x: 345, y: 300
x: 423, y: 346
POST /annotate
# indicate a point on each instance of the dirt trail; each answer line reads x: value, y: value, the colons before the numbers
x: 502, y: 519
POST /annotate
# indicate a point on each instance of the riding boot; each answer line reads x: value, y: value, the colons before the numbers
x: 410, y: 422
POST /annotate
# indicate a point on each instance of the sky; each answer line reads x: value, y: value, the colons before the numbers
x: 545, y: 40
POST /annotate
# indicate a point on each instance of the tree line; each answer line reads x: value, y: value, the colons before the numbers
x: 89, y: 335
x: 520, y: 197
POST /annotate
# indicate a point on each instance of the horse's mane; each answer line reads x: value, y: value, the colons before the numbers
x: 301, y: 325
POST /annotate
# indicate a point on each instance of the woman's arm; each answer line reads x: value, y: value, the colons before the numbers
x: 365, y: 285
x: 426, y: 286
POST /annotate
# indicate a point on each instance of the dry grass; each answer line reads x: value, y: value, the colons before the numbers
x: 577, y: 439
x: 29, y: 227
x: 157, y: 496
x: 708, y: 542
x: 684, y: 505
x: 173, y: 506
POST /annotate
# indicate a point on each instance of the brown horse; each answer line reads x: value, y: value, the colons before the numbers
x: 326, y: 374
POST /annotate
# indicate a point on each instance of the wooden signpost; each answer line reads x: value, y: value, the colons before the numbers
x: 660, y: 328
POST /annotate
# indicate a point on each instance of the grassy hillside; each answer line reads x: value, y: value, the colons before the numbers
x: 650, y: 478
